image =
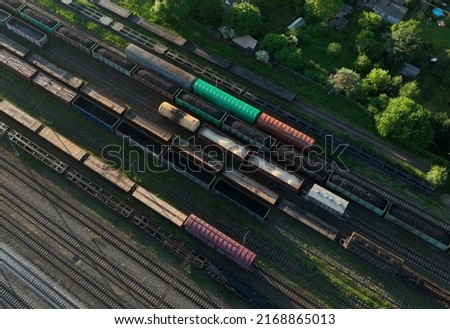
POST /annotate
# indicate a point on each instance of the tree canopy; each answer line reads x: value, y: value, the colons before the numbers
x: 404, y: 42
x: 437, y: 176
x: 379, y: 81
x: 244, y: 18
x: 370, y: 21
x: 323, y: 9
x: 406, y: 121
x: 345, y: 81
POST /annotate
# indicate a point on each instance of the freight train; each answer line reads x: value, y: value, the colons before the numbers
x: 437, y: 235
x: 192, y: 224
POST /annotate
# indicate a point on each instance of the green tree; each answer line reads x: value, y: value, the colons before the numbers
x: 323, y: 10
x: 334, y: 49
x: 274, y: 42
x: 244, y: 18
x: 363, y: 63
x: 404, y: 43
x: 379, y: 81
x: 407, y: 122
x: 208, y: 12
x: 410, y: 90
x: 365, y: 43
x: 441, y: 127
x: 370, y: 21
x: 345, y: 81
x: 171, y: 11
x: 437, y: 176
x: 291, y: 58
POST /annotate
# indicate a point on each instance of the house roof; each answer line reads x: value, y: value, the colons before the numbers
x: 246, y: 41
x: 344, y: 11
x: 391, y: 9
x: 409, y: 70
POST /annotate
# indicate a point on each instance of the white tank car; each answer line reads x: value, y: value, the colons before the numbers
x: 178, y: 116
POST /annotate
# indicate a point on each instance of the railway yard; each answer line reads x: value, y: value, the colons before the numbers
x: 129, y: 181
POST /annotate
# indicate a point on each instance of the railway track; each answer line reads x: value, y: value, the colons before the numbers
x: 397, y: 248
x: 12, y: 299
x: 107, y: 265
x: 302, y: 299
x: 23, y: 270
x: 85, y: 281
x: 275, y: 228
x: 176, y: 283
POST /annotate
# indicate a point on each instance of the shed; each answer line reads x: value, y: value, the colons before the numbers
x: 409, y: 71
x: 344, y: 11
x: 297, y: 24
x: 246, y: 42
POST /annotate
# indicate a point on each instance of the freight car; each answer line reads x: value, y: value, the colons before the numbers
x: 13, y: 46
x: 374, y: 254
x: 225, y: 101
x: 275, y: 173
x: 284, y: 132
x: 139, y: 121
x: 95, y: 113
x: 26, y: 31
x: 113, y: 60
x: 18, y: 115
x: 417, y: 226
x: 139, y: 138
x: 220, y: 242
x: 191, y: 169
x: 327, y: 200
x: 309, y: 220
x: 55, y: 71
x: 357, y: 193
x: 241, y: 198
x: 43, y: 22
x: 3, y: 17
x: 103, y: 100
x: 249, y: 134
x: 75, y: 39
x: 178, y: 116
x: 12, y: 5
x: 211, y: 135
x: 17, y: 65
x: 54, y: 88
x: 159, y: 66
x: 155, y: 82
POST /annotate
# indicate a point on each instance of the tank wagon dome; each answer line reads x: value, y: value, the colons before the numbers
x: 178, y: 116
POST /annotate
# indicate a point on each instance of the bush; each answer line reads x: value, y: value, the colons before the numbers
x: 275, y: 42
x: 262, y: 56
x: 437, y: 176
x: 363, y: 63
x: 334, y: 49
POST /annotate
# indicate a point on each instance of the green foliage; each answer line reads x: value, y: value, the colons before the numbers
x: 441, y: 70
x: 379, y: 81
x: 437, y: 176
x: 406, y: 122
x: 275, y: 42
x: 441, y: 127
x: 376, y: 105
x: 404, y: 43
x: 244, y: 18
x: 208, y: 12
x: 345, y: 81
x: 370, y: 21
x: 291, y: 58
x: 334, y: 49
x: 410, y: 90
x: 322, y: 10
x: 365, y: 43
x: 363, y: 63
x: 171, y: 11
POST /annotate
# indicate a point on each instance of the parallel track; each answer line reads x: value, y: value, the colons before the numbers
x: 91, y: 285
x: 178, y: 284
x: 107, y: 265
x: 12, y: 299
x: 35, y: 279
